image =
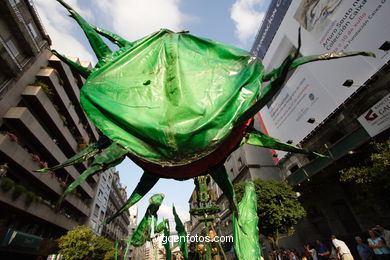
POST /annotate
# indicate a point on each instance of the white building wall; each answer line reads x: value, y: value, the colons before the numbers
x: 101, y: 200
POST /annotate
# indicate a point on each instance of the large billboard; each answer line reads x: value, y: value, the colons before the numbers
x: 275, y: 14
x: 315, y: 90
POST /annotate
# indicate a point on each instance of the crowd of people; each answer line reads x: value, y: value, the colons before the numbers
x: 376, y: 247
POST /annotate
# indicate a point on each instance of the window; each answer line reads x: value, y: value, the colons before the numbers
x: 11, y: 48
x: 100, y: 193
x: 96, y: 210
x: 32, y: 30
x: 14, y: 2
x: 294, y: 168
x: 101, y: 215
x: 240, y: 164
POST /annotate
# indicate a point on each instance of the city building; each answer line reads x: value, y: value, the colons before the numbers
x: 41, y: 124
x: 99, y: 205
x: 133, y: 218
x: 117, y: 230
x: 333, y: 107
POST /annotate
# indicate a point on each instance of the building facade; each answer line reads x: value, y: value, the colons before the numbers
x: 41, y: 124
x: 133, y: 219
x: 117, y: 230
x: 329, y: 107
x: 100, y: 203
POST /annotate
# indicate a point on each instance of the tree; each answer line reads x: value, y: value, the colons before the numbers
x: 82, y: 243
x: 278, y: 208
x: 372, y: 173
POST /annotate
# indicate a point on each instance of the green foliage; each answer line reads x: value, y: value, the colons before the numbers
x: 278, y: 208
x: 373, y: 174
x: 7, y: 184
x: 18, y: 190
x: 110, y: 255
x: 103, y: 248
x: 82, y: 243
x: 48, y: 91
x: 30, y: 198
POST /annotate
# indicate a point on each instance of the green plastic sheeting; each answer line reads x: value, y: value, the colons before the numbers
x: 245, y: 229
x: 263, y: 140
x: 144, y: 229
x: 158, y: 228
x: 181, y: 232
x: 168, y: 253
x: 145, y: 184
x: 110, y: 157
x: 172, y: 98
x: 90, y: 151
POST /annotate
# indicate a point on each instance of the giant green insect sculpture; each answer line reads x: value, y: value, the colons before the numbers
x: 144, y: 229
x: 175, y: 104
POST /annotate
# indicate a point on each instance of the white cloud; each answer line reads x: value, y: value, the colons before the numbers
x: 165, y: 211
x: 61, y: 28
x: 133, y: 19
x: 247, y: 18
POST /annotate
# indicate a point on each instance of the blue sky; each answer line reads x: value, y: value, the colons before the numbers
x: 230, y: 21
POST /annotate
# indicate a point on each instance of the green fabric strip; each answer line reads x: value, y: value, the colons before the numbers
x: 145, y: 184
x: 143, y: 231
x: 168, y: 254
x: 84, y: 72
x: 326, y: 56
x: 276, y: 83
x: 245, y: 228
x: 263, y: 140
x: 98, y: 45
x: 114, y: 38
x: 181, y: 233
x: 222, y: 179
x: 111, y: 157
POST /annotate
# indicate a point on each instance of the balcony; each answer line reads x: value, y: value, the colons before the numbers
x: 37, y: 209
x: 73, y: 91
x: 48, y: 76
x: 22, y: 159
x: 24, y: 123
x: 37, y: 101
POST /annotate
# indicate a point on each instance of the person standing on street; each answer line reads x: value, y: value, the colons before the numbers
x: 343, y: 251
x: 379, y: 247
x: 365, y: 252
x: 322, y: 250
x: 384, y: 233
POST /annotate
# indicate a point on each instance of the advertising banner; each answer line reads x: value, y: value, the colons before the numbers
x: 316, y: 89
x: 377, y: 118
x: 275, y: 14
